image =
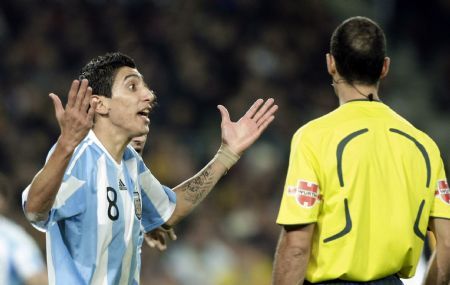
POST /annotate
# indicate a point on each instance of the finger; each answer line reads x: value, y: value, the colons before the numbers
x: 81, y: 93
x: 59, y: 109
x: 160, y: 241
x: 268, y: 114
x: 251, y: 112
x: 265, y: 124
x: 73, y: 93
x: 172, y: 235
x: 224, y: 113
x: 86, y: 100
x: 91, y: 111
x: 263, y: 109
x: 161, y: 247
x: 150, y: 242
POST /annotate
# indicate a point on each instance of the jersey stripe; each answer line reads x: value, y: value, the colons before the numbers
x: 340, y: 151
x: 422, y: 150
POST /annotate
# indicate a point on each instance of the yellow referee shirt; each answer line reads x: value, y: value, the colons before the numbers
x: 370, y: 181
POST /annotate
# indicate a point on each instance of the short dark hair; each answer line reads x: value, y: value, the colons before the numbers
x: 101, y: 71
x: 358, y: 46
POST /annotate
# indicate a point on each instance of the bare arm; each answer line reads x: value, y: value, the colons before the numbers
x: 292, y: 254
x: 236, y: 138
x: 439, y: 269
x: 75, y: 122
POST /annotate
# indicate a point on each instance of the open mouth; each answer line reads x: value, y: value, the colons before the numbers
x: 144, y: 113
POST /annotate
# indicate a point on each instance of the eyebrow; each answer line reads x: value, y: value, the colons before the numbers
x: 133, y: 75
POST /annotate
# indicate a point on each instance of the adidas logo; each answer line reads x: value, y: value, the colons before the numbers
x: 122, y: 185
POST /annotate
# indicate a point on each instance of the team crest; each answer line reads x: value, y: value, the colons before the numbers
x: 137, y: 204
x: 443, y: 191
x: 305, y: 193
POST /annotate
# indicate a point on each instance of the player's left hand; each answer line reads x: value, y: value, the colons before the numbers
x: 242, y: 134
x: 158, y: 238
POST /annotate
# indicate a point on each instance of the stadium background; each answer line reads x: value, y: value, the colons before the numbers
x: 195, y: 55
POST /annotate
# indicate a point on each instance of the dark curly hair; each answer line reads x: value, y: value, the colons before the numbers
x: 358, y: 46
x: 101, y: 71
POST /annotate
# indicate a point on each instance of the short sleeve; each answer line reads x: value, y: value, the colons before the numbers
x: 70, y: 200
x: 440, y: 208
x: 301, y: 196
x: 158, y: 201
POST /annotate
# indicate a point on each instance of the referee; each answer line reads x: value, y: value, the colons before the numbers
x: 363, y: 184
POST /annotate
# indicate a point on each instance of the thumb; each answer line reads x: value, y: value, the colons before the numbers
x: 59, y: 110
x: 224, y: 113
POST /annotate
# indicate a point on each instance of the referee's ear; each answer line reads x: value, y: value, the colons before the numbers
x: 331, y: 64
x: 385, y: 69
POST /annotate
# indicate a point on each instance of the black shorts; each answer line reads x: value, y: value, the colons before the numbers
x: 390, y: 280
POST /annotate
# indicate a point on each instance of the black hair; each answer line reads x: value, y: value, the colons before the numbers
x: 358, y: 46
x: 101, y: 71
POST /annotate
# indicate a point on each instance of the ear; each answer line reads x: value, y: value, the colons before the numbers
x: 102, y: 107
x: 331, y: 64
x: 385, y: 69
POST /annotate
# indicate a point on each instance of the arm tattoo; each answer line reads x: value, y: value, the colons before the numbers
x: 199, y: 187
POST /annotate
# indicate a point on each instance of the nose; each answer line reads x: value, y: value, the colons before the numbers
x: 150, y: 96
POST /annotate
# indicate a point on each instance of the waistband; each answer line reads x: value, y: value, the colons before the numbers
x: 389, y: 280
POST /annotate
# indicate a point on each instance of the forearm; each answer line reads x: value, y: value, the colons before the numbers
x: 290, y: 265
x: 46, y: 183
x: 437, y: 274
x: 192, y: 191
x: 439, y: 269
x: 292, y: 256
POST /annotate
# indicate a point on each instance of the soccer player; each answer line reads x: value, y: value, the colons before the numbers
x: 21, y: 261
x: 157, y: 237
x: 363, y: 184
x: 94, y: 192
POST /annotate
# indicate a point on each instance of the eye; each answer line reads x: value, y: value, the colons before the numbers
x: 132, y: 87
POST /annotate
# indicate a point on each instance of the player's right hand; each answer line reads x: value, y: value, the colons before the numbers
x: 77, y: 118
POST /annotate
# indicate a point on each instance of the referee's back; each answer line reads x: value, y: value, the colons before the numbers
x: 378, y: 178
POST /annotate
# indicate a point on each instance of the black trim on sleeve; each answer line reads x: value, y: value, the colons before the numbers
x: 422, y: 150
x: 347, y: 228
x: 416, y: 223
x: 340, y: 151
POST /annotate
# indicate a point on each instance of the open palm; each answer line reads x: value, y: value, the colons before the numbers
x: 242, y: 134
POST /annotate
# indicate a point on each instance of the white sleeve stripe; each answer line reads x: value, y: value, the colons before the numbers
x: 67, y: 189
x: 158, y: 196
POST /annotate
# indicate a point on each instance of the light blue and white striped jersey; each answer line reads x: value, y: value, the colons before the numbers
x: 20, y: 257
x: 94, y: 230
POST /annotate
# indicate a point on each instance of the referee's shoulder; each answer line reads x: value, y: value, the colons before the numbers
x: 313, y: 130
x: 420, y: 135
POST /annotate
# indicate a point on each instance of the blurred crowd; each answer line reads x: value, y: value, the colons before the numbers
x: 196, y: 55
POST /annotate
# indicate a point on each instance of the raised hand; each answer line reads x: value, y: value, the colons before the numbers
x: 242, y: 134
x: 76, y: 119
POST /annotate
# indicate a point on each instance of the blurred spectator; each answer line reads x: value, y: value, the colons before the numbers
x: 20, y: 258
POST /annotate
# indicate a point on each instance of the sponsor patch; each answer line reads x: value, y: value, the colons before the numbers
x: 137, y: 204
x: 443, y: 191
x: 305, y: 193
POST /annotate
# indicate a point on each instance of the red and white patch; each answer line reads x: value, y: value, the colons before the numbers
x: 443, y: 191
x: 306, y: 193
